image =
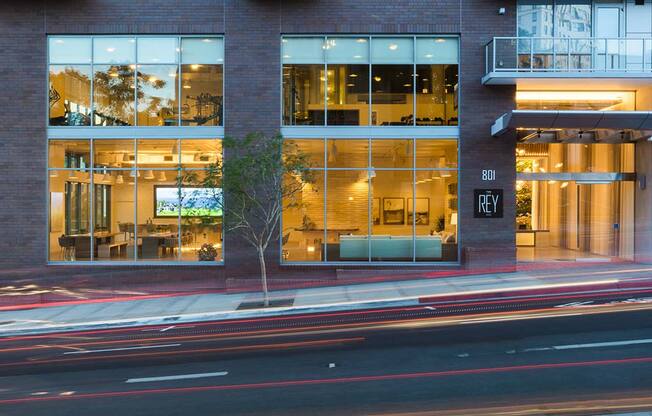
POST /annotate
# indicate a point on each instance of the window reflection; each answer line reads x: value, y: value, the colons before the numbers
x: 158, y: 92
x: 201, y: 89
x: 113, y: 95
x: 303, y: 94
x: 70, y: 95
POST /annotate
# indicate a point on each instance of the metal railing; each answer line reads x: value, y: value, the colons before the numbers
x: 541, y: 54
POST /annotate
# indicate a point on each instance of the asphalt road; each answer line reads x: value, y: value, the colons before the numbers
x: 569, y: 358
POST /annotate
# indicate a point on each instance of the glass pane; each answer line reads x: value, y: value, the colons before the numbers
x: 574, y: 158
x: 202, y: 50
x: 158, y: 50
x: 114, y: 50
x: 158, y: 215
x: 303, y: 223
x: 303, y: 50
x: 348, y: 95
x: 347, y: 153
x: 435, y: 215
x: 573, y: 18
x: 437, y: 50
x: 437, y: 95
x: 70, y: 95
x: 534, y: 18
x: 158, y: 153
x: 303, y: 95
x: 76, y: 197
x: 391, y: 238
x: 201, y: 100
x: 69, y: 154
x: 312, y: 148
x: 113, y: 95
x: 347, y: 50
x: 391, y: 102
x: 158, y: 92
x: 347, y: 214
x: 113, y: 154
x: 201, y: 220
x: 200, y: 153
x: 392, y: 51
x: 69, y: 50
x: 436, y: 153
x: 391, y: 153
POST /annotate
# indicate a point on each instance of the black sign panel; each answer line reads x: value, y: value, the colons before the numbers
x: 488, y: 203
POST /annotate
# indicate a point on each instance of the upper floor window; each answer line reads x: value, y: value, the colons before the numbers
x: 558, y: 18
x: 135, y: 81
x: 364, y: 80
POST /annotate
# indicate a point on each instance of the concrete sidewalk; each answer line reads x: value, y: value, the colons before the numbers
x: 95, y: 314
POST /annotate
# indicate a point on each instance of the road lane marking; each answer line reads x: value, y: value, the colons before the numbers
x: 591, y: 345
x: 144, y: 347
x: 177, y: 377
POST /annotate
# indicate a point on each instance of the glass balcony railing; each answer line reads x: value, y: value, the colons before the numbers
x: 570, y: 55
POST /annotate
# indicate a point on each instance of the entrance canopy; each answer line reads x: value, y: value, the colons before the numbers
x: 552, y: 126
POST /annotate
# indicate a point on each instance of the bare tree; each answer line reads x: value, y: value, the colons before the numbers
x: 258, y: 178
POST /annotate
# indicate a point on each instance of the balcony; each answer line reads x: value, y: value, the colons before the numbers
x: 512, y: 60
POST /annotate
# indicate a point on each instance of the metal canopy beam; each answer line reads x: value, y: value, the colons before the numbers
x: 639, y: 122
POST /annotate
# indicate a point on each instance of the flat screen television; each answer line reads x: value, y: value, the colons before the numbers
x: 195, y: 202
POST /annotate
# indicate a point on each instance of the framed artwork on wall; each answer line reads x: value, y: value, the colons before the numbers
x: 422, y: 211
x: 394, y: 211
x: 375, y: 211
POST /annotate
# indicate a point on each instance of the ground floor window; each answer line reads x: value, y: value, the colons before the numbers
x: 375, y: 200
x: 133, y: 200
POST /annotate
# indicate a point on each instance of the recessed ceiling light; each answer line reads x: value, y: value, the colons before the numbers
x: 207, y: 40
x: 195, y: 66
x: 428, y: 55
x: 58, y: 41
x: 353, y: 75
x: 357, y: 56
x: 377, y: 78
x: 361, y: 40
x: 110, y: 49
x: 393, y: 46
x: 350, y: 85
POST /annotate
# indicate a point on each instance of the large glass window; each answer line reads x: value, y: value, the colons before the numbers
x: 364, y: 80
x: 142, y: 81
x: 138, y: 202
x: 376, y: 200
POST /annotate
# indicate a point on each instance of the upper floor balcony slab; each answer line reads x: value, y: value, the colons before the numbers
x: 516, y: 60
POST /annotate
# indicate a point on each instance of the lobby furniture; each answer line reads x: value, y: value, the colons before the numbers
x: 151, y: 244
x: 112, y: 249
x: 67, y: 245
x: 386, y: 247
x: 532, y: 238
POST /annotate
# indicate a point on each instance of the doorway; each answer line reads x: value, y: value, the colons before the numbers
x: 574, y: 220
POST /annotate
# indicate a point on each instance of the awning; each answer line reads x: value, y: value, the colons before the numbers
x: 553, y: 125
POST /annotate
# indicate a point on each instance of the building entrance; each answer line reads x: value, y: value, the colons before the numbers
x: 574, y: 203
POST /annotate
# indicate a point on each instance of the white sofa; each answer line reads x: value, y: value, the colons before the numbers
x: 388, y: 247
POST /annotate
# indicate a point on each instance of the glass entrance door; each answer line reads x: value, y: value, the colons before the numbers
x: 574, y: 220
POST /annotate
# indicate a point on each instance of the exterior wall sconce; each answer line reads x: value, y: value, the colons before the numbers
x: 502, y: 11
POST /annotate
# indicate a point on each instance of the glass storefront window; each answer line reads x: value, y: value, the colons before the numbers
x: 201, y: 95
x: 69, y: 95
x: 114, y: 50
x: 135, y: 81
x: 113, y: 95
x: 369, y: 196
x: 303, y: 94
x: 142, y: 205
x: 158, y: 95
x: 436, y: 95
x: 368, y: 80
x: 391, y: 99
x: 312, y: 148
x: 69, y: 50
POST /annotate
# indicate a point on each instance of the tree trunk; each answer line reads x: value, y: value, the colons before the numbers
x: 263, y: 276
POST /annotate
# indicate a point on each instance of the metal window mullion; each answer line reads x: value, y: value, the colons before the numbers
x: 92, y: 123
x: 179, y: 88
x: 325, y: 198
x: 369, y: 200
x: 92, y: 203
x: 136, y: 83
x: 414, y: 82
x: 325, y: 40
x: 369, y: 76
x: 414, y: 200
x: 135, y: 195
x: 179, y: 185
